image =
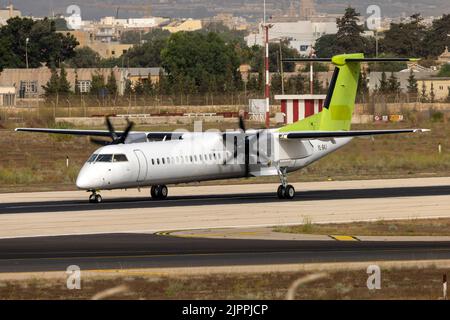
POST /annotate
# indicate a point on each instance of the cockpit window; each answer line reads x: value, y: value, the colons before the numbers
x: 92, y: 158
x: 104, y: 158
x: 120, y: 158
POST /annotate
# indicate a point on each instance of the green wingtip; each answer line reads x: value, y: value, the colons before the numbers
x: 414, y: 59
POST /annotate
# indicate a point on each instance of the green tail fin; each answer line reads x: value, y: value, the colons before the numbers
x: 339, y: 104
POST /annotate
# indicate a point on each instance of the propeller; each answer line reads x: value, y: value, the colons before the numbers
x: 242, y: 126
x: 116, y: 138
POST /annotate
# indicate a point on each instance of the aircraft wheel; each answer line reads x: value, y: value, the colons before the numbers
x: 281, y: 192
x: 290, y: 192
x: 159, y: 192
x: 153, y: 192
x: 163, y: 192
x: 95, y: 198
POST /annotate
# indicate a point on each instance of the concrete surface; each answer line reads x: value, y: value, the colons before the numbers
x: 65, y: 213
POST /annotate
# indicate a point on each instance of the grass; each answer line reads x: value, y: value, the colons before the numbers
x: 33, y: 162
x: 396, y: 283
x: 413, y: 227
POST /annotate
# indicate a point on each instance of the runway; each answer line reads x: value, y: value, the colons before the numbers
x: 68, y: 213
x: 52, y: 230
x: 137, y: 251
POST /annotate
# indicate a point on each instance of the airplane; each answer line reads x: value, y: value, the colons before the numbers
x: 136, y: 159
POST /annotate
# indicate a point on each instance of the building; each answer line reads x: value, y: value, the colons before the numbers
x: 110, y: 49
x: 301, y: 34
x: 7, y: 96
x: 138, y: 74
x: 307, y: 9
x: 105, y: 48
x: 296, y: 107
x: 440, y: 86
x: 7, y: 13
x: 28, y: 83
x: 444, y: 57
x: 183, y: 25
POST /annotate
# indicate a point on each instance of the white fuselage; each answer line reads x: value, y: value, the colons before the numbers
x: 196, y: 157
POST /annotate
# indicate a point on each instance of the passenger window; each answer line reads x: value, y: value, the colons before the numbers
x: 163, y: 160
x: 190, y: 157
x: 153, y: 162
x: 157, y: 161
x: 168, y: 160
x: 105, y: 158
x: 93, y: 157
x: 120, y: 158
x: 195, y: 158
x: 210, y: 156
x: 201, y: 157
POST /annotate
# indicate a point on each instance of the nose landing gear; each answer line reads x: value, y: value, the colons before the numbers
x: 159, y: 192
x: 95, y: 197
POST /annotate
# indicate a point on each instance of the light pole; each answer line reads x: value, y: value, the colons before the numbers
x: 26, y: 50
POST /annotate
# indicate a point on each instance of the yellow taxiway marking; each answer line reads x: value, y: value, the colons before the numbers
x: 344, y: 238
x: 209, y: 235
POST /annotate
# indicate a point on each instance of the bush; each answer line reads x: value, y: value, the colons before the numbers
x: 437, y: 116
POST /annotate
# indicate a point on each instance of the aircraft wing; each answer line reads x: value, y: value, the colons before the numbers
x: 96, y: 133
x: 339, y: 134
x: 100, y: 133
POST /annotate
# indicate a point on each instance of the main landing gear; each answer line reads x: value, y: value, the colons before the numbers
x: 159, y: 192
x: 95, y: 197
x: 285, y: 190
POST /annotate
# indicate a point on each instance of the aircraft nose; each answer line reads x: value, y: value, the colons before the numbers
x: 83, y: 180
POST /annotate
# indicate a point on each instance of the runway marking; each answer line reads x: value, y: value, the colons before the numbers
x: 344, y: 238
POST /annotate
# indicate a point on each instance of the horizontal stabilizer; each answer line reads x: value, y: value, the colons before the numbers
x: 352, y: 60
x: 338, y: 134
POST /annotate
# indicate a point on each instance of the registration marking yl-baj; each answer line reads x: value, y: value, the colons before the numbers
x: 137, y: 159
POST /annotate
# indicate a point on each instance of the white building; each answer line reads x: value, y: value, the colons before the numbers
x: 302, y: 34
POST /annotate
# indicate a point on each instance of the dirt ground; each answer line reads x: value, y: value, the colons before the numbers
x: 413, y: 227
x: 406, y: 283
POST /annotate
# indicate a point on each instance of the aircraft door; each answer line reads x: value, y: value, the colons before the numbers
x: 143, y: 165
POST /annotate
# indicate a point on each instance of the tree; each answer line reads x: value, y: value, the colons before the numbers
x: 52, y: 87
x: 383, y: 86
x: 326, y: 46
x: 432, y: 94
x: 191, y: 55
x: 64, y: 84
x: 148, y: 54
x: 45, y: 45
x: 363, y: 86
x: 393, y: 84
x: 412, y: 86
x: 444, y: 71
x: 98, y: 85
x: 295, y: 84
x: 424, y: 96
x: 405, y: 39
x: 128, y: 88
x: 111, y: 84
x: 85, y: 57
x: 349, y: 37
x: 437, y: 38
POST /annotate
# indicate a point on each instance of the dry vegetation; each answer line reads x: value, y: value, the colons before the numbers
x: 37, y: 161
x: 410, y: 283
x: 415, y: 227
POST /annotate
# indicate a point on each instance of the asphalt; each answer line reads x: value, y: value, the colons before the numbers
x: 14, y: 207
x: 128, y: 251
